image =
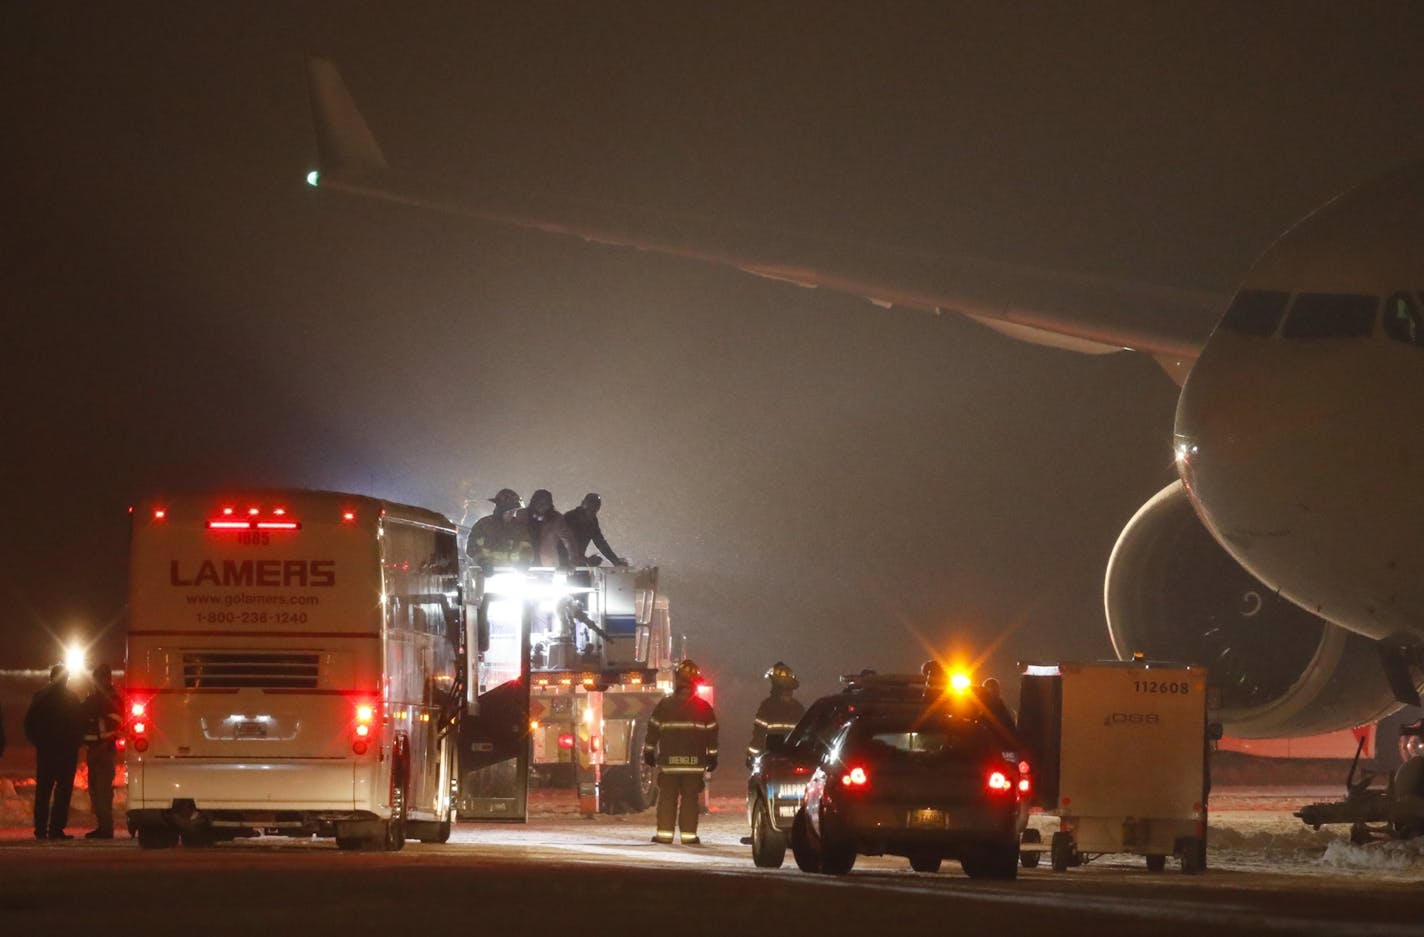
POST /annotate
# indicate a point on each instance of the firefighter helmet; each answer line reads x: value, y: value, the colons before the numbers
x: 782, y: 677
x: 688, y: 674
x: 507, y: 500
x: 936, y: 677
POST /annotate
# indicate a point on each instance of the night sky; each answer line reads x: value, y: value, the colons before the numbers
x: 820, y: 480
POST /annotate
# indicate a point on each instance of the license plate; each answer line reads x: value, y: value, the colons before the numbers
x: 928, y: 820
x: 787, y: 810
x: 252, y: 730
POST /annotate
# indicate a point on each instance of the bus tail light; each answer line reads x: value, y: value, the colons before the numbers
x: 361, y: 728
x: 138, y: 725
x: 998, y: 782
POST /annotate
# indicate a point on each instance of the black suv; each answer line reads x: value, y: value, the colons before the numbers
x: 779, y: 774
x: 928, y: 782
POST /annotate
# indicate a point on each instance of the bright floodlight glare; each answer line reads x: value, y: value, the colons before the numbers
x: 959, y: 682
x: 74, y: 658
x: 313, y: 178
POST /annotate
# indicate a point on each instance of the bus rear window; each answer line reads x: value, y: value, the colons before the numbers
x: 1331, y: 315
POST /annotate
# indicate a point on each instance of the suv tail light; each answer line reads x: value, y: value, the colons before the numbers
x: 998, y: 782
x: 855, y: 777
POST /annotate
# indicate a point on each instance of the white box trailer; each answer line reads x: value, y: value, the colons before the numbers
x: 1119, y: 752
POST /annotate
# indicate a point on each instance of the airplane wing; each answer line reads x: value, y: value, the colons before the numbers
x: 1075, y: 312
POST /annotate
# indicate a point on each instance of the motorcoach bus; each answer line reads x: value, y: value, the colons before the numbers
x: 295, y: 667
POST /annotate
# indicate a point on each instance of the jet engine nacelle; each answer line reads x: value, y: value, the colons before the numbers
x: 1173, y: 593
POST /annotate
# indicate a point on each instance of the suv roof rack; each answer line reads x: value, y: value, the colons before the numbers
x: 868, y: 681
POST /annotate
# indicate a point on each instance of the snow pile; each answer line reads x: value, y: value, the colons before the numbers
x: 1401, y: 855
x: 15, y: 810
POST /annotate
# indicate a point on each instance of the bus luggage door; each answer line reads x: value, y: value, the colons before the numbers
x: 495, y: 735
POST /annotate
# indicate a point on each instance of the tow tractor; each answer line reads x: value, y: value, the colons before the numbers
x: 565, y: 669
x: 1395, y: 811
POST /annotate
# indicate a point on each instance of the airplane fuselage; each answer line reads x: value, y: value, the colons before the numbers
x: 1299, y: 433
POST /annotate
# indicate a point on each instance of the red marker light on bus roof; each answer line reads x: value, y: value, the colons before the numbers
x: 227, y: 512
x: 159, y: 514
x: 279, y: 511
x: 348, y: 516
x: 253, y: 512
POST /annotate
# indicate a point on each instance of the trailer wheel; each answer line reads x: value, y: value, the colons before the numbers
x: 156, y: 836
x: 199, y: 838
x: 768, y: 843
x: 1193, y: 856
x: 1060, y: 851
x: 1156, y: 862
x: 1029, y: 858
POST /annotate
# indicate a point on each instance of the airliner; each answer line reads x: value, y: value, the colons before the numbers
x: 1288, y: 555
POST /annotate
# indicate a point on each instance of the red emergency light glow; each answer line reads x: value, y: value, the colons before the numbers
x: 566, y: 740
x: 227, y: 512
x: 137, y: 709
x: 348, y: 516
x: 229, y: 525
x: 278, y: 525
x: 998, y: 782
x: 159, y: 514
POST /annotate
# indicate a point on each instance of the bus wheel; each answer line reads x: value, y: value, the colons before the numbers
x: 157, y: 836
x: 394, y: 840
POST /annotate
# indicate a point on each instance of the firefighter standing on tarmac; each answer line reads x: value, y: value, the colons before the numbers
x: 778, y: 713
x: 682, y: 743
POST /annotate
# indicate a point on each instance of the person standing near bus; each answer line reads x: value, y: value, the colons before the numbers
x: 54, y: 724
x: 103, y: 716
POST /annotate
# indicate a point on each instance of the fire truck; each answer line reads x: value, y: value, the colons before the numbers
x: 564, y: 670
